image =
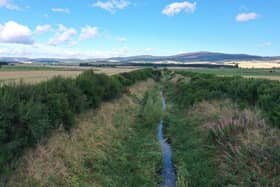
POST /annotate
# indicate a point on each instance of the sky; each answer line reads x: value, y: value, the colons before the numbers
x: 107, y: 28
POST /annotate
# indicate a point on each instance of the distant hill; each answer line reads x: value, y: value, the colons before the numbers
x: 180, y: 58
x: 194, y: 57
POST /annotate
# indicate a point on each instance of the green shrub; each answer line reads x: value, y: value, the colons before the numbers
x: 254, y: 92
x: 28, y: 113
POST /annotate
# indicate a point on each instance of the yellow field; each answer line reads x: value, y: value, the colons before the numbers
x: 36, y: 76
x: 256, y: 64
x: 33, y: 76
x: 275, y: 78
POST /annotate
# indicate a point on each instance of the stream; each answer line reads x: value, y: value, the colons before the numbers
x: 168, y: 174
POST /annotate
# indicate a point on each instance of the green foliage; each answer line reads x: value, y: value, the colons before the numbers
x: 134, y: 157
x: 28, y: 113
x: 254, y: 92
x: 191, y: 157
x: 151, y: 110
x: 234, y: 71
x: 218, y: 156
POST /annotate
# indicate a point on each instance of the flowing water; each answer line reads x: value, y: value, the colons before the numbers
x: 168, y: 174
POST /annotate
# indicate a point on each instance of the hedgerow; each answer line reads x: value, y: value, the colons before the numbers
x: 29, y: 113
x: 265, y: 94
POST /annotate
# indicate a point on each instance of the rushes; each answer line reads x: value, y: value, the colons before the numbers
x: 247, y: 150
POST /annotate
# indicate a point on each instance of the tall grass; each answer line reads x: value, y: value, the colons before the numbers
x: 109, y: 147
x: 29, y: 113
x: 251, y: 92
x: 225, y: 142
x: 219, y: 144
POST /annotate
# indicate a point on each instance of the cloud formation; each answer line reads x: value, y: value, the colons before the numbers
x: 244, y: 17
x: 61, y: 10
x: 43, y: 28
x: 63, y: 35
x: 177, y: 7
x: 265, y: 44
x: 12, y: 32
x: 7, y: 4
x: 121, y: 39
x: 111, y: 5
x: 88, y: 32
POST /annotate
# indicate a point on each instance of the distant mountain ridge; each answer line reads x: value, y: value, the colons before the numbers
x: 183, y: 58
x: 194, y: 57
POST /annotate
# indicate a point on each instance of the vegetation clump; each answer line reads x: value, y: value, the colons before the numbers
x: 29, y: 113
x: 219, y: 131
x: 264, y: 94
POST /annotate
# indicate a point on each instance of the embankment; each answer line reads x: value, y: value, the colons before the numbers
x: 30, y: 113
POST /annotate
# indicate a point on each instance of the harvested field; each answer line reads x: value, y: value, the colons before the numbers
x: 35, y: 76
x: 275, y: 78
x: 113, y: 71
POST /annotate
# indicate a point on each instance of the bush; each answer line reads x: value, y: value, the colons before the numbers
x: 28, y: 113
x: 254, y: 92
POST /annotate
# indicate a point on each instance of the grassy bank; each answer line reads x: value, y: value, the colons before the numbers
x: 219, y: 142
x: 114, y: 145
x: 29, y: 113
x: 263, y: 94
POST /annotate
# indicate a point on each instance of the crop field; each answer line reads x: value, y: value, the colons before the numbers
x: 36, y: 74
x: 272, y: 74
x: 32, y: 76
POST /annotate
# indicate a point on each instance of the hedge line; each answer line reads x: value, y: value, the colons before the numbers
x: 30, y: 112
x: 264, y: 94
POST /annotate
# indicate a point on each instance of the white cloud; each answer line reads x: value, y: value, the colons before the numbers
x: 12, y: 32
x: 243, y: 17
x: 61, y: 10
x: 63, y: 35
x: 7, y: 4
x: 43, y: 28
x: 2, y: 51
x: 48, y: 51
x: 121, y: 39
x: 177, y: 7
x: 111, y: 5
x: 265, y: 44
x: 88, y: 32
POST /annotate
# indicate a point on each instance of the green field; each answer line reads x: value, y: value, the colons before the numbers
x: 235, y: 71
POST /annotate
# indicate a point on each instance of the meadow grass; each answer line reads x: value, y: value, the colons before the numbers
x: 216, y: 143
x: 114, y: 145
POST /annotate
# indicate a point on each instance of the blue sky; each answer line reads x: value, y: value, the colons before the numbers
x: 105, y: 28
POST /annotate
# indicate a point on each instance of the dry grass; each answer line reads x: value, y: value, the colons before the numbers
x: 246, y: 147
x: 113, y: 71
x: 62, y: 157
x: 276, y: 78
x: 256, y: 64
x: 177, y: 78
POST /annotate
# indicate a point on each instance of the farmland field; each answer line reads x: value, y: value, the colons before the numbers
x: 271, y: 74
x: 35, y: 74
